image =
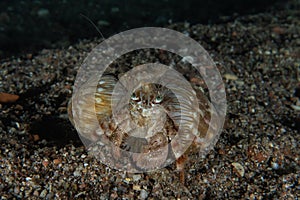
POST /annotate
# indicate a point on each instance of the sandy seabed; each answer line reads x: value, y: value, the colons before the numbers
x: 256, y: 157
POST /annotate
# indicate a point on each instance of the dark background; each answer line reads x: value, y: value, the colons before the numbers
x: 27, y: 26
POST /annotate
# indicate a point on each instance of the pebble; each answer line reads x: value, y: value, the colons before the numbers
x: 36, y: 193
x: 43, y: 193
x: 17, y: 190
x: 136, y: 187
x: 239, y: 168
x: 77, y: 173
x: 143, y: 194
x: 275, y: 165
x: 230, y: 77
x: 57, y: 161
x: 136, y: 177
x: 8, y: 98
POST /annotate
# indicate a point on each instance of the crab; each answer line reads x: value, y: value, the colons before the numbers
x: 145, y: 126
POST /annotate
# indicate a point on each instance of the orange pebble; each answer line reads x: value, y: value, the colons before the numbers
x: 8, y: 98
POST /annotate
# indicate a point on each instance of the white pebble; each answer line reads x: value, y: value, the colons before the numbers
x: 143, y: 194
x: 136, y: 177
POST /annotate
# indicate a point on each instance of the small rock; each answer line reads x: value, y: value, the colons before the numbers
x: 36, y: 193
x: 238, y: 168
x: 8, y: 98
x: 50, y: 195
x: 45, y: 163
x: 57, y: 161
x: 295, y: 107
x: 136, y: 187
x: 18, y: 107
x: 274, y: 165
x: 230, y: 77
x: 77, y: 173
x: 127, y: 180
x: 35, y: 137
x: 143, y: 194
x: 114, y: 195
x: 17, y: 190
x: 136, y: 177
x: 240, y: 83
x: 43, y: 193
x: 267, y: 52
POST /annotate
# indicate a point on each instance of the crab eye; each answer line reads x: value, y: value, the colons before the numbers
x: 134, y: 97
x: 158, y: 99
